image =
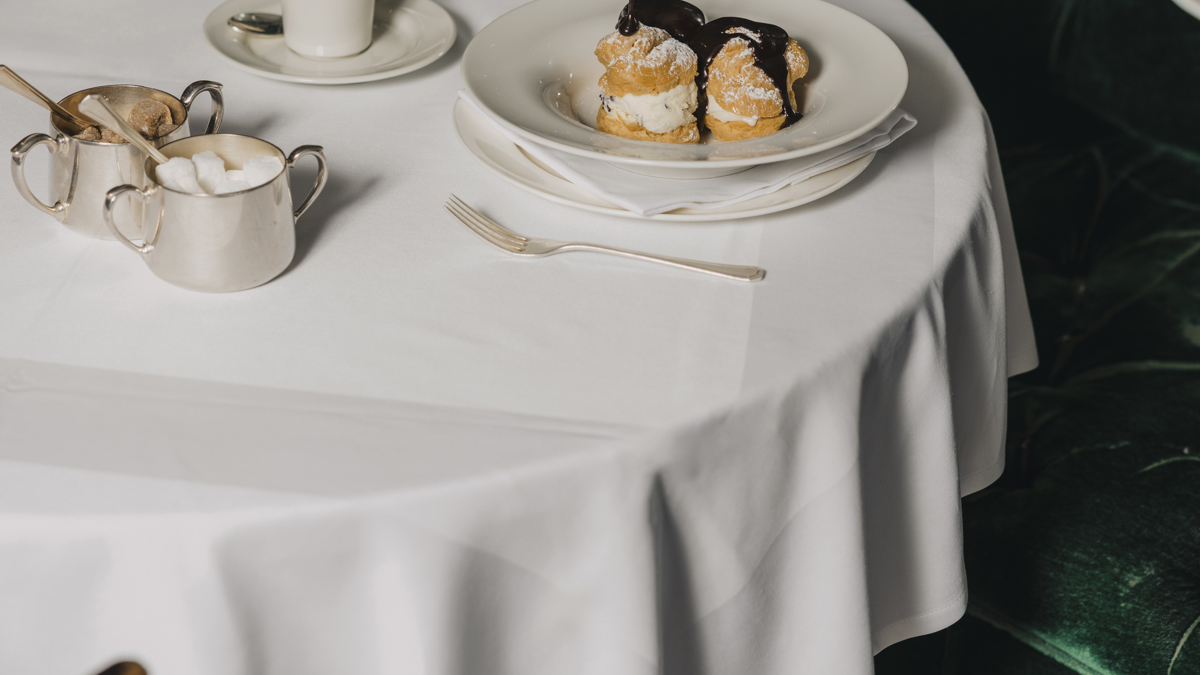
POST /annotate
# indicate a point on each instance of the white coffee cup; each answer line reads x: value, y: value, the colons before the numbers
x: 328, y: 29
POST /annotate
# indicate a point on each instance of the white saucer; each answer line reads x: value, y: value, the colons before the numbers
x: 409, y: 34
x: 533, y: 70
x: 512, y: 164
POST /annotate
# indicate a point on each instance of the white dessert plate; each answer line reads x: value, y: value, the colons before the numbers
x: 533, y: 70
x: 508, y: 161
x: 409, y: 34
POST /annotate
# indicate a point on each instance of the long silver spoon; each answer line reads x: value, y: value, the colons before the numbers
x: 94, y: 106
x: 11, y: 80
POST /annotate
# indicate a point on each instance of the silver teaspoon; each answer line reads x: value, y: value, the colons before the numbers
x: 257, y: 23
x: 11, y: 80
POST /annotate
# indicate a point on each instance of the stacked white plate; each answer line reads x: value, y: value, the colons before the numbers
x: 533, y: 73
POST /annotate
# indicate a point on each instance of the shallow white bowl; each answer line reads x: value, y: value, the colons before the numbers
x: 533, y: 70
x: 514, y: 165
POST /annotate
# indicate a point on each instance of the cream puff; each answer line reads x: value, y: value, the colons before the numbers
x: 648, y: 90
x: 746, y: 68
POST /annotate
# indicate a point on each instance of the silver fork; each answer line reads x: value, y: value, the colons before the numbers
x: 503, y: 238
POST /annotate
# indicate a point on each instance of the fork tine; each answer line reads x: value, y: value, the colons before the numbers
x: 482, y: 223
x: 493, y: 225
x: 461, y: 217
x: 486, y: 234
x: 485, y: 221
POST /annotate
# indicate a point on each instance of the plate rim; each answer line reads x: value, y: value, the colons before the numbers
x: 1190, y: 6
x: 689, y: 163
x: 857, y: 167
x: 446, y: 45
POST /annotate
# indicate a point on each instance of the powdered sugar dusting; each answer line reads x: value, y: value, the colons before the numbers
x: 744, y: 82
x: 742, y: 30
x: 652, y: 49
x: 797, y: 60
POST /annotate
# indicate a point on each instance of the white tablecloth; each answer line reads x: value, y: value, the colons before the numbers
x: 413, y: 454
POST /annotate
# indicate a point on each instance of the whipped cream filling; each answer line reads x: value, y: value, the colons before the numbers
x: 725, y: 116
x: 659, y: 113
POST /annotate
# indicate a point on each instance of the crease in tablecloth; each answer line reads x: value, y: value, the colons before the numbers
x: 647, y: 195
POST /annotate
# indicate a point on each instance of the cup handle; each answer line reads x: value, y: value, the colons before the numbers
x: 19, y: 151
x: 322, y: 173
x: 110, y: 203
x: 218, y: 101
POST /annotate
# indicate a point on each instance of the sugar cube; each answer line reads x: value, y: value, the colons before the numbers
x: 109, y: 136
x: 179, y: 173
x: 210, y: 170
x: 259, y: 170
x: 99, y: 133
x: 89, y: 134
x: 151, y: 118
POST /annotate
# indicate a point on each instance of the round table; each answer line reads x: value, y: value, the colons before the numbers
x: 412, y: 453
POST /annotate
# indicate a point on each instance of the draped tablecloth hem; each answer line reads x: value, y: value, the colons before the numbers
x: 1021, y: 347
x: 982, y: 478
x: 923, y: 624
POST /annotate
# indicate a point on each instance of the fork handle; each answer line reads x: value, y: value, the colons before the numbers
x: 739, y: 272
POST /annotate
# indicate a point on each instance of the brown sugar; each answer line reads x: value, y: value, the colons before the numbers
x: 89, y: 134
x: 101, y: 134
x: 151, y: 118
x: 109, y: 136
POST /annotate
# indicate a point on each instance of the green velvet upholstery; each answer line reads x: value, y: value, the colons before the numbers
x: 971, y: 646
x: 1095, y: 564
x: 1085, y: 556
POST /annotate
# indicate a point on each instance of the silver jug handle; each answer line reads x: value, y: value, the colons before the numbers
x: 19, y: 151
x: 218, y: 101
x: 110, y: 203
x: 322, y: 173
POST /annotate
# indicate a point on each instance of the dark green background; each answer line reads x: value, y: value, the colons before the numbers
x: 1085, y: 556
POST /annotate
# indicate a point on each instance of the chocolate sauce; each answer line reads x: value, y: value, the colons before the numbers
x: 769, y: 55
x: 681, y: 19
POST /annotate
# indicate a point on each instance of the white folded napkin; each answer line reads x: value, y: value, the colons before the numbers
x: 645, y: 195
